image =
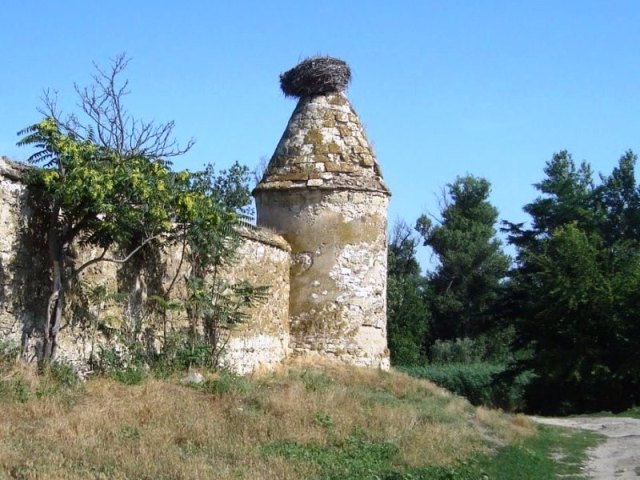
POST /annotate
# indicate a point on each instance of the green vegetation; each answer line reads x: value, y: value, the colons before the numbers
x: 550, y: 454
x: 559, y: 332
x: 575, y: 290
x: 466, y: 282
x: 407, y: 314
x: 632, y: 412
x: 107, y: 184
x: 481, y: 383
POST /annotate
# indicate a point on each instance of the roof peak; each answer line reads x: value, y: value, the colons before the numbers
x: 323, y: 147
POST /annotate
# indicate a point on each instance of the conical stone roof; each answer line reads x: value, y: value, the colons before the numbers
x: 323, y: 147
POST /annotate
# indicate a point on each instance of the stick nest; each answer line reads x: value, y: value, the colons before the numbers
x: 316, y: 76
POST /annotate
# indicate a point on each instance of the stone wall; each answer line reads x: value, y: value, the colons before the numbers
x: 263, y: 258
x: 14, y: 319
x: 262, y: 341
x: 338, y: 272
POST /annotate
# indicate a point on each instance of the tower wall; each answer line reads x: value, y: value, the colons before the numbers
x: 337, y: 304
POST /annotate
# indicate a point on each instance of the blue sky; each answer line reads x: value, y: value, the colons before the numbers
x: 490, y: 88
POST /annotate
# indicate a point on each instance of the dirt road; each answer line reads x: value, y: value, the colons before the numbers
x: 616, y: 458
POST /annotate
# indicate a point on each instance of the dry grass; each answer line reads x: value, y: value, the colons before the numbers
x: 161, y: 429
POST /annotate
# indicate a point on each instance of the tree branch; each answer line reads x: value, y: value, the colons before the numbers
x: 103, y: 258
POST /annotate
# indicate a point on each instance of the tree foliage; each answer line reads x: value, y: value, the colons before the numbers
x: 107, y: 183
x: 208, y: 228
x: 466, y: 282
x: 576, y: 288
x: 95, y: 196
x: 407, y: 313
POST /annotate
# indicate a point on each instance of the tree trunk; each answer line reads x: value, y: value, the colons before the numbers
x: 56, y: 299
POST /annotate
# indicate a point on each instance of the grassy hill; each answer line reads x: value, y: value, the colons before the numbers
x: 304, y: 421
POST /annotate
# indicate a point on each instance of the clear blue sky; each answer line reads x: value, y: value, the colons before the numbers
x: 444, y: 88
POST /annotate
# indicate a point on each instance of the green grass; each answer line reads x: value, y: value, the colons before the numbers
x: 551, y: 453
x: 631, y: 413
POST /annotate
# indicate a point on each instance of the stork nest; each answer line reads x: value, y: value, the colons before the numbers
x: 316, y: 76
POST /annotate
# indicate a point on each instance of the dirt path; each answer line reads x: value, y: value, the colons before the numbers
x: 619, y: 456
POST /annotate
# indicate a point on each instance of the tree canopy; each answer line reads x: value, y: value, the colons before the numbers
x: 576, y: 285
x: 471, y: 264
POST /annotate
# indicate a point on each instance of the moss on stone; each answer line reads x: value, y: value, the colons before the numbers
x: 313, y: 137
x: 329, y: 119
x: 345, y: 131
x: 293, y: 176
x: 339, y: 167
x: 334, y: 148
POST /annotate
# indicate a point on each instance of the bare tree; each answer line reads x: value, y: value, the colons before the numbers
x: 110, y: 123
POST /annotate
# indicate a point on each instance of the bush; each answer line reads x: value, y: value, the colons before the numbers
x: 63, y: 374
x: 460, y: 350
x: 56, y: 379
x: 124, y: 368
x: 227, y: 383
x: 482, y: 383
x: 9, y: 352
x: 493, y: 347
x: 180, y: 354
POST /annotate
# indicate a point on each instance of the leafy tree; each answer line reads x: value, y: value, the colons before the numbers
x: 208, y: 227
x: 407, y: 312
x: 567, y: 196
x: 618, y: 200
x: 95, y: 196
x: 467, y: 281
x: 107, y: 183
x: 230, y: 187
x: 575, y: 288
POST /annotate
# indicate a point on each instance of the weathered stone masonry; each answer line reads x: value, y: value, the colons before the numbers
x: 322, y: 192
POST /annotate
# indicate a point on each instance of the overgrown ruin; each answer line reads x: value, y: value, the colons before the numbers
x: 320, y: 243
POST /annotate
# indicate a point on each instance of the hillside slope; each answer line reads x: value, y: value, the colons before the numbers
x: 302, y: 422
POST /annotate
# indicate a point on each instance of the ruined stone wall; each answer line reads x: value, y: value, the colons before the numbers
x: 338, y: 272
x: 263, y: 259
x: 13, y: 318
x: 262, y: 341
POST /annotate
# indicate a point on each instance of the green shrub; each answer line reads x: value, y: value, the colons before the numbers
x: 63, y: 374
x: 130, y: 375
x: 56, y: 378
x: 315, y: 381
x: 228, y: 382
x: 493, y: 347
x: 9, y: 352
x: 117, y: 365
x: 481, y: 383
x: 460, y: 350
x: 179, y: 354
x: 14, y: 390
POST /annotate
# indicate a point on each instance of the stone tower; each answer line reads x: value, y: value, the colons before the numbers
x: 323, y: 192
